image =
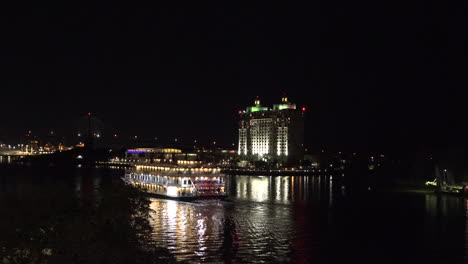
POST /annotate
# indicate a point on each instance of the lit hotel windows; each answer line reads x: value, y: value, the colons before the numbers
x: 275, y: 133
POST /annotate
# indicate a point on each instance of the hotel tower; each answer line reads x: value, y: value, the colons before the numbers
x: 272, y: 134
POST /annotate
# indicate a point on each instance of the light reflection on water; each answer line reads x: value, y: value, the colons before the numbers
x: 465, y: 203
x: 306, y: 219
x: 210, y: 231
x: 5, y: 159
x: 259, y: 224
x: 287, y: 219
x: 280, y: 189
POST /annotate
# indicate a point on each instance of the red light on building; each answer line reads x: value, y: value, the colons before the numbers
x: 303, y: 109
x: 240, y: 112
x: 89, y: 114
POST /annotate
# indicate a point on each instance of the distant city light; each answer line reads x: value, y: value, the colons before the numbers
x: 303, y: 109
x: 137, y: 151
x: 89, y: 114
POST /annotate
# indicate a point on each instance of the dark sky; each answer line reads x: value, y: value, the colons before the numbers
x: 374, y: 75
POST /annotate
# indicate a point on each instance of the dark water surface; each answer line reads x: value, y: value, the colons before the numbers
x: 289, y: 219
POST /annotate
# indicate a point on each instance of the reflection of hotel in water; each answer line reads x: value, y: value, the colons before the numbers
x: 283, y: 189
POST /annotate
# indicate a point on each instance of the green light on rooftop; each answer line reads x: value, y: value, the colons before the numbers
x: 252, y: 109
x: 284, y: 106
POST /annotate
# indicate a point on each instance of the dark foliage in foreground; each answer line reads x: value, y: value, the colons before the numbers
x: 55, y: 224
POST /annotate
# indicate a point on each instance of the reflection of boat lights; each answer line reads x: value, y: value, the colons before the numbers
x: 172, y: 214
x: 201, y: 226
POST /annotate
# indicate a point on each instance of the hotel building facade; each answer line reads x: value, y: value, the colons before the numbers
x: 272, y: 134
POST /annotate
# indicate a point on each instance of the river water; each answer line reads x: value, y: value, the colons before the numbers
x: 308, y: 219
x: 295, y: 219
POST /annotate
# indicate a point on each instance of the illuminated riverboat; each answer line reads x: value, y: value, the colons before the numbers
x: 185, y: 183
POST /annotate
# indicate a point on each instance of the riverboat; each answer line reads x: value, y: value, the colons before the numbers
x: 176, y: 182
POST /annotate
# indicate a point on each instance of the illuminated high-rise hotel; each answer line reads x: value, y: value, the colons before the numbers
x: 272, y: 134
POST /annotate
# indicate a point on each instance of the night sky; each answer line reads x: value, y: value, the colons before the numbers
x: 374, y: 75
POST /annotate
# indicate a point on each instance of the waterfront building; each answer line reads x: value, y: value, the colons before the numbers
x: 162, y: 155
x: 272, y: 134
x: 219, y: 156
